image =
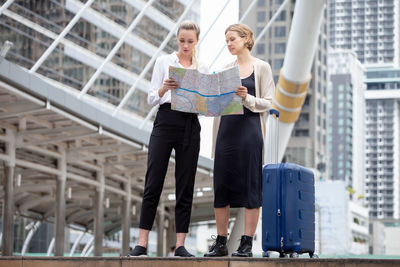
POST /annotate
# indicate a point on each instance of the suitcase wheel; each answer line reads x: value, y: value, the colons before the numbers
x: 282, y: 255
x: 294, y: 255
x: 266, y: 254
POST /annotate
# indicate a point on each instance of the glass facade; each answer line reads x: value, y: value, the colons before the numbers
x: 32, y: 26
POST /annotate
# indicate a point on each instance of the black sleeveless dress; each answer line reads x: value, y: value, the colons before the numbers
x: 238, y: 158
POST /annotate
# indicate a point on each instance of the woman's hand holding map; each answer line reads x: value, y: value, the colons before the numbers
x: 242, y: 92
x: 169, y: 84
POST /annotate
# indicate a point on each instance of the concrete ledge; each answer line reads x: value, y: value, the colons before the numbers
x: 186, y: 262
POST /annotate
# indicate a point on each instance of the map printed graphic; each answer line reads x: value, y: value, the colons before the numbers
x: 206, y: 94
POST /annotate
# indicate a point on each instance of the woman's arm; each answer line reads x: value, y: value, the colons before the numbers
x: 264, y: 102
x: 153, y: 97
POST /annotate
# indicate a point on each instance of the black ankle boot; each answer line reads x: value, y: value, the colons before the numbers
x: 219, y: 248
x: 244, y: 250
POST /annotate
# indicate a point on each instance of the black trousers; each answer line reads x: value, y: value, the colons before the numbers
x: 179, y: 131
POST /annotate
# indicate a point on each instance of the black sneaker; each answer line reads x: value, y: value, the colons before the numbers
x: 138, y: 251
x: 182, y: 252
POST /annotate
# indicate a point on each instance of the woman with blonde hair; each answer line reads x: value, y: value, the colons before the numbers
x: 172, y: 130
x: 239, y: 142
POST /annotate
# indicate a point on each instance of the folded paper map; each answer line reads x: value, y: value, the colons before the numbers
x: 206, y: 94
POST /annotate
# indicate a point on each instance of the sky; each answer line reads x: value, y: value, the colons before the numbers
x: 210, y: 47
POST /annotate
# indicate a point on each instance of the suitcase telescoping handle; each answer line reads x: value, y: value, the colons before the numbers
x: 274, y: 124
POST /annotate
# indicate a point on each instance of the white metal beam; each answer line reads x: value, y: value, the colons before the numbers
x: 241, y: 20
x: 62, y: 138
x: 153, y: 14
x: 212, y: 24
x: 154, y: 109
x: 87, y: 246
x: 51, y: 131
x: 47, y: 187
x: 115, y: 48
x: 29, y: 237
x: 150, y: 63
x: 51, y: 247
x: 83, y: 55
x: 5, y: 5
x: 149, y: 115
x: 60, y: 37
x: 39, y: 121
x: 20, y: 113
x: 111, y: 27
x: 76, y: 242
x: 90, y: 250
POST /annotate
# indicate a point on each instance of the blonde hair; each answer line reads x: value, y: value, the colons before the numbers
x: 243, y: 30
x: 191, y: 25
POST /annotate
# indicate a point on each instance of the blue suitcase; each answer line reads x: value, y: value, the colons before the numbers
x: 288, y: 211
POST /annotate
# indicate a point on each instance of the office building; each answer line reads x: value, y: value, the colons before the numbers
x: 369, y: 28
x: 346, y: 109
x: 383, y: 142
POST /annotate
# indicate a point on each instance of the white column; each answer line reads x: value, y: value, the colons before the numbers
x: 171, y: 233
x: 59, y: 229
x: 99, y: 215
x: 126, y: 218
x: 300, y: 50
x: 7, y: 238
x: 160, y: 230
x: 8, y: 212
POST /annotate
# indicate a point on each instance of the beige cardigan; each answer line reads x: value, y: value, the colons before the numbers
x: 261, y: 103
